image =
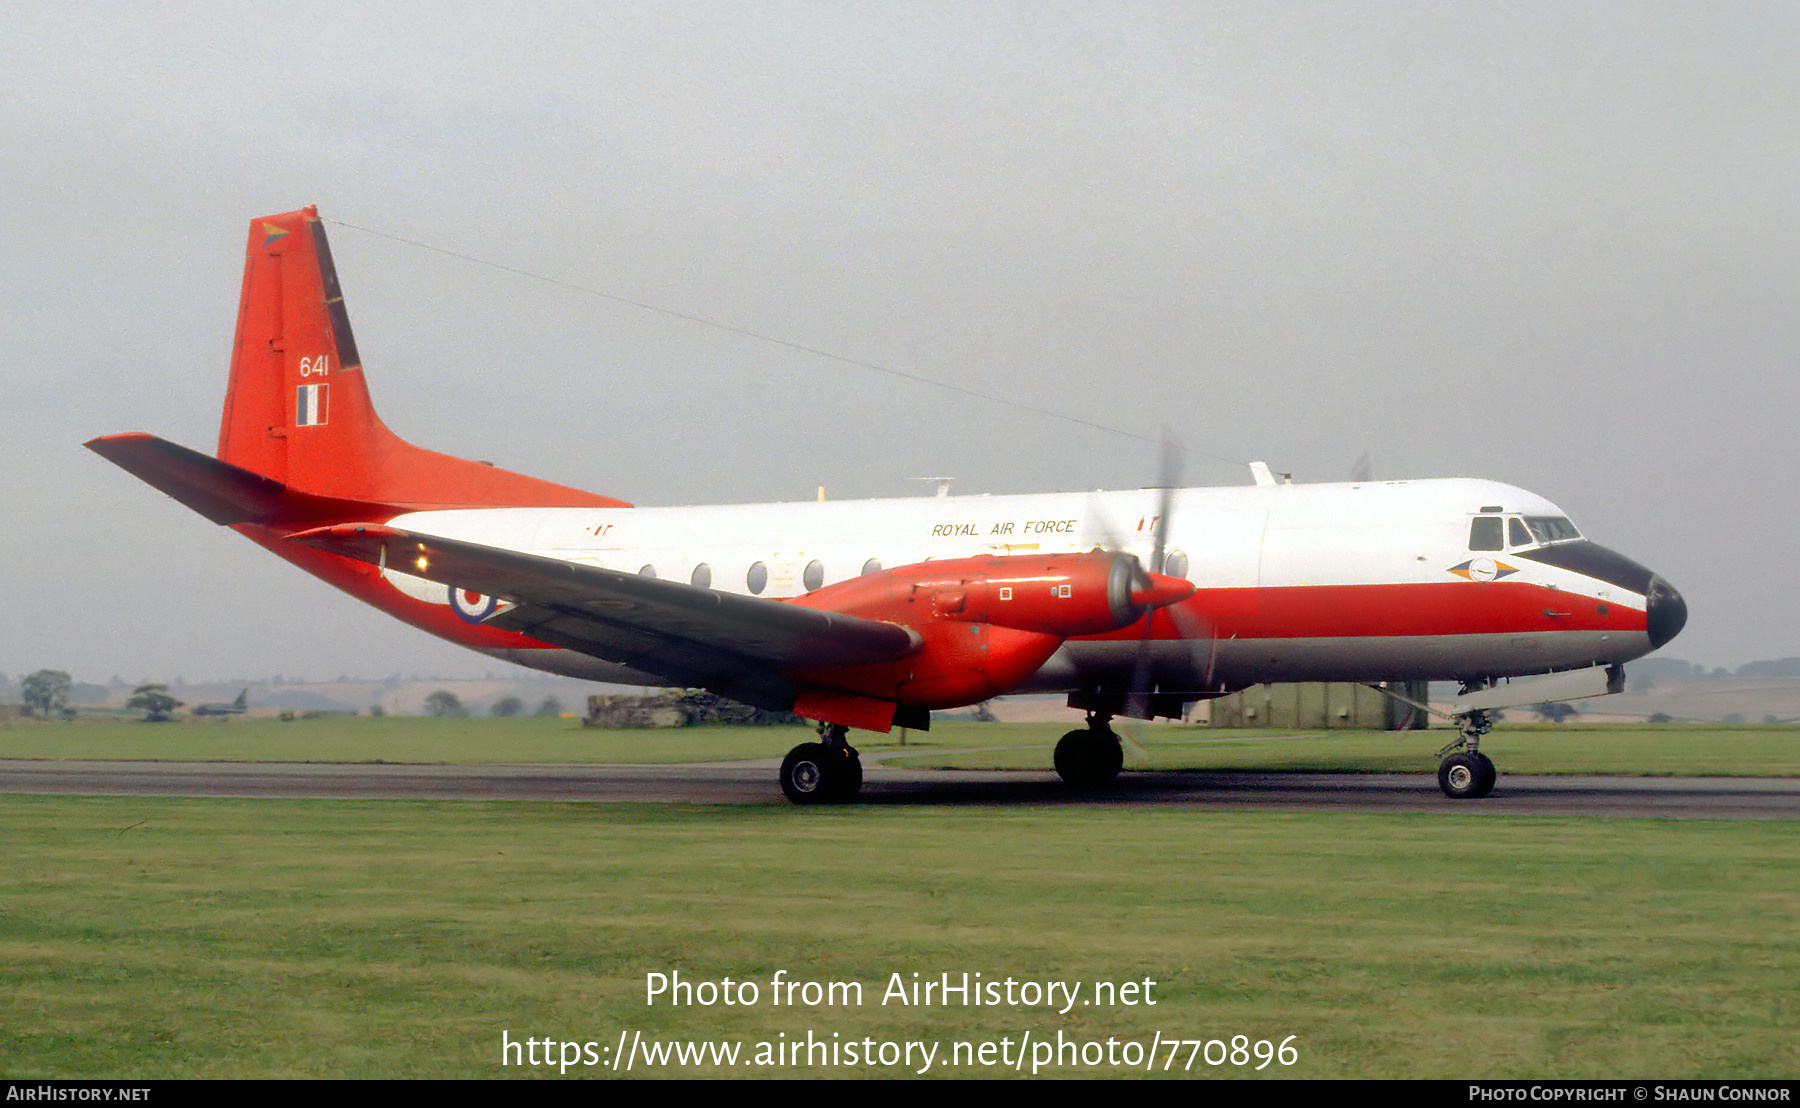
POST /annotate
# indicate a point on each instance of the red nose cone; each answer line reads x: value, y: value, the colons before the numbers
x: 1161, y: 591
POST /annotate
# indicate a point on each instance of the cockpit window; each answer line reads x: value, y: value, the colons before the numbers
x: 1485, y: 534
x: 1551, y: 528
x: 1516, y: 533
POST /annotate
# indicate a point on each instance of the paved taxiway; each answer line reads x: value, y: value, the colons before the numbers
x: 754, y: 782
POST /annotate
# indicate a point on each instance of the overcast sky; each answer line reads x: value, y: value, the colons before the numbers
x: 1554, y: 244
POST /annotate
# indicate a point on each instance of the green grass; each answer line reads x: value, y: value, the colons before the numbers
x: 268, y: 938
x: 1575, y: 748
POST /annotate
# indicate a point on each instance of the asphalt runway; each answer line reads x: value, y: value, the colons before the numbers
x: 754, y: 782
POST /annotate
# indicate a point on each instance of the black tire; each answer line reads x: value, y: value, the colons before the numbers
x: 1486, y: 775
x: 1112, y: 756
x: 813, y: 773
x: 1466, y: 776
x: 1071, y: 760
x: 849, y: 778
x: 806, y: 775
x: 1089, y: 759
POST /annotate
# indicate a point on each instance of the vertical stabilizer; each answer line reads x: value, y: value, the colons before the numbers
x: 298, y: 410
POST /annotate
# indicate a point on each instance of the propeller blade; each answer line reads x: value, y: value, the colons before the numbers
x: 1202, y: 643
x: 1137, y: 754
x: 1168, y: 475
x: 1157, y: 591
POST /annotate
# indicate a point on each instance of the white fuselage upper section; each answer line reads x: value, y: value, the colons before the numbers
x: 1258, y: 536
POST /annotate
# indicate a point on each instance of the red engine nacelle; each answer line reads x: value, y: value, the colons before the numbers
x: 985, y: 623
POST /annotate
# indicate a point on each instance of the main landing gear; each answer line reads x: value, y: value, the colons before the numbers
x: 825, y: 772
x: 1090, y: 758
x: 1467, y: 774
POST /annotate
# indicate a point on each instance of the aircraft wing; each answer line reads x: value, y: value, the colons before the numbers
x: 738, y: 645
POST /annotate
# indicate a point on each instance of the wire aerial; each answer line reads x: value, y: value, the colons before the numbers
x: 790, y: 344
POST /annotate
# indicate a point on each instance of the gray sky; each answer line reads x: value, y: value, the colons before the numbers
x: 1553, y: 244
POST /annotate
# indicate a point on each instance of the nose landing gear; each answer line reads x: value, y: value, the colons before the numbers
x: 1467, y: 774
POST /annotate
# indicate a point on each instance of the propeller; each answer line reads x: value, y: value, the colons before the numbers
x: 1171, y: 458
x: 1168, y: 475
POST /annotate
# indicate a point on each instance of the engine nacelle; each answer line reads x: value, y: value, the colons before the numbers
x: 986, y: 623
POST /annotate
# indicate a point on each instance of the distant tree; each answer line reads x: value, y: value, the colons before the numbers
x: 46, y: 692
x: 154, y: 701
x: 1661, y: 717
x: 1777, y: 667
x: 1642, y: 683
x: 982, y: 713
x: 1668, y: 669
x: 377, y: 711
x: 550, y: 707
x: 1732, y: 719
x: 507, y: 707
x: 1555, y: 712
x: 444, y: 703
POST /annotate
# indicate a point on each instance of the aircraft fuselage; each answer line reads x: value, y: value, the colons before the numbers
x: 1353, y: 582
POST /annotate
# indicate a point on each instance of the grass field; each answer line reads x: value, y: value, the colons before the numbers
x: 226, y: 938
x: 147, y: 937
x: 1574, y: 748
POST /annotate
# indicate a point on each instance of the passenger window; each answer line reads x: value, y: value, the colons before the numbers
x: 1175, y: 564
x: 813, y: 576
x: 702, y: 576
x: 758, y: 578
x: 873, y: 565
x: 1515, y: 529
x: 1485, y: 534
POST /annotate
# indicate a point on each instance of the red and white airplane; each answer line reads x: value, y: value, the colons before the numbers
x: 871, y: 614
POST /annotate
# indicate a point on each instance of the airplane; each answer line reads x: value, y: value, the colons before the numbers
x: 872, y: 614
x: 217, y: 708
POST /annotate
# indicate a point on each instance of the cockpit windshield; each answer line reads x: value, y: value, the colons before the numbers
x: 1549, y: 529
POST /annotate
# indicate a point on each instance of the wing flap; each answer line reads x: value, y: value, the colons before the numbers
x: 683, y: 632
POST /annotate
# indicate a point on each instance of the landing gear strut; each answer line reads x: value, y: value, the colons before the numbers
x: 1467, y: 774
x: 825, y: 772
x: 1090, y: 758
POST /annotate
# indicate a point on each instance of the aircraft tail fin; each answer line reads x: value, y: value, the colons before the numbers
x: 298, y: 410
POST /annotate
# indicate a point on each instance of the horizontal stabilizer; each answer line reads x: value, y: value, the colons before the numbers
x: 220, y: 491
